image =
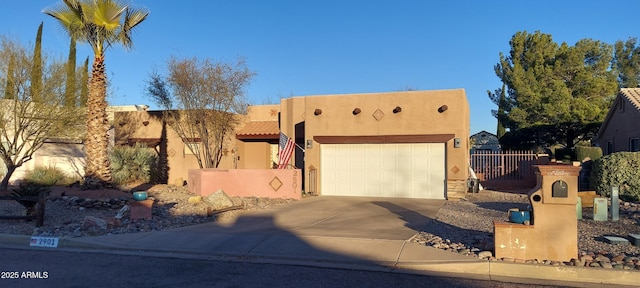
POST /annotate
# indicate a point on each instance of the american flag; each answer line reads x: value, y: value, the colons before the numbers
x: 285, y: 150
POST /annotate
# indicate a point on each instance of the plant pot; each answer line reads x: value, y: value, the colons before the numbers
x: 140, y: 195
x: 520, y: 217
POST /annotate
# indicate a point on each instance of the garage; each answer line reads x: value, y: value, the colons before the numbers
x: 403, y: 170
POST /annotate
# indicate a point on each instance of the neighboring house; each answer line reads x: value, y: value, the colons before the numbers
x: 485, y: 142
x: 410, y: 144
x: 65, y: 154
x: 620, y: 130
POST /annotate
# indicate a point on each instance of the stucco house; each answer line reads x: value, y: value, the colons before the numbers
x: 410, y: 144
x: 620, y: 130
x: 485, y: 142
x: 66, y: 154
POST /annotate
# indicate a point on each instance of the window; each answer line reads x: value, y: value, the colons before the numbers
x: 634, y: 145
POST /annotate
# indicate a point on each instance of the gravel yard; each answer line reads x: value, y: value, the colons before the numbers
x: 467, y: 227
x: 73, y: 213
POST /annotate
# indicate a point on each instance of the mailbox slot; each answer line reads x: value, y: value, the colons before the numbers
x: 559, y: 189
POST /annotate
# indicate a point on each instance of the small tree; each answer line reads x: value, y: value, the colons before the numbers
x: 26, y: 125
x: 202, y: 100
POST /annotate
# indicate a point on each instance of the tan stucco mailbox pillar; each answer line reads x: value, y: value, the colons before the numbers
x: 553, y: 233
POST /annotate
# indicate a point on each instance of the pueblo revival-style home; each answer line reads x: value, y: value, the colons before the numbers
x: 410, y: 144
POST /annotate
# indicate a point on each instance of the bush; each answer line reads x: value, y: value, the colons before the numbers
x: 48, y: 176
x: 582, y: 152
x: 133, y: 164
x: 565, y: 154
x: 29, y: 189
x: 620, y: 169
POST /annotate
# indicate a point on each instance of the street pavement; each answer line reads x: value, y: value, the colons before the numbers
x: 339, y: 232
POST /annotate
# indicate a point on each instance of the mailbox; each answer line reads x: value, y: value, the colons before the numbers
x: 553, y: 233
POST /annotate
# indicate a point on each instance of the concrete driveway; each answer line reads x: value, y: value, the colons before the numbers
x: 367, y: 231
x: 339, y: 216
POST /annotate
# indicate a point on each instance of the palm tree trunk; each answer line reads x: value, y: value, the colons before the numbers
x: 97, y: 169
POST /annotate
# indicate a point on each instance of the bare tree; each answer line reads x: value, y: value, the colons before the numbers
x: 202, y: 100
x: 25, y: 125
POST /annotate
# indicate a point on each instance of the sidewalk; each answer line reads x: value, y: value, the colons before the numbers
x: 336, y: 233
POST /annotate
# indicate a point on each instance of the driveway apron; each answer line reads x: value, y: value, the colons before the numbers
x: 324, y: 228
x: 340, y: 216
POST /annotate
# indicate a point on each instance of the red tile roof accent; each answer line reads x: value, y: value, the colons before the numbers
x: 260, y: 128
x: 633, y: 95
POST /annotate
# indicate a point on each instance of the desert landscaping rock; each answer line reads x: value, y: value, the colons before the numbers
x: 469, y: 223
x: 72, y: 216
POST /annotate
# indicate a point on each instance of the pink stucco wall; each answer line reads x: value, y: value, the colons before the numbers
x: 270, y: 183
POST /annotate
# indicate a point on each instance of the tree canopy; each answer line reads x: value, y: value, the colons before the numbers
x: 562, y: 91
x: 627, y: 61
x: 202, y: 100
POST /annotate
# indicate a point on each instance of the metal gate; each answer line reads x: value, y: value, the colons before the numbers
x: 504, y: 169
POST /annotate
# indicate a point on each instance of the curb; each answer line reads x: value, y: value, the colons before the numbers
x: 545, y: 274
x: 479, y: 270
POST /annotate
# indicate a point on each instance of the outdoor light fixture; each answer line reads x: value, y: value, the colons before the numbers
x: 356, y: 111
x: 317, y: 112
x: 443, y: 108
x: 398, y: 109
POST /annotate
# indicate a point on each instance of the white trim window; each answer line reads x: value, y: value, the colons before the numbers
x: 634, y: 144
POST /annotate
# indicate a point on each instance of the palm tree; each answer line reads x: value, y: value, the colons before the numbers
x: 99, y: 23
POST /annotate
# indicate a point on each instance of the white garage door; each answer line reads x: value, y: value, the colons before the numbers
x: 383, y: 170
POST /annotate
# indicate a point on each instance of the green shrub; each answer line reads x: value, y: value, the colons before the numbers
x: 565, y: 154
x: 133, y: 164
x: 620, y: 169
x: 48, y: 176
x: 582, y: 152
x: 28, y: 189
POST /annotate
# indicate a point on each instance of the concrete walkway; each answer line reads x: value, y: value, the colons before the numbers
x: 341, y: 232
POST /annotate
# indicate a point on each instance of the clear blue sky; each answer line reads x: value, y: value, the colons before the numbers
x: 300, y: 47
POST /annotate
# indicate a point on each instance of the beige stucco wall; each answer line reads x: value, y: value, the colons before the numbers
x: 263, y: 112
x: 419, y: 116
x: 255, y: 154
